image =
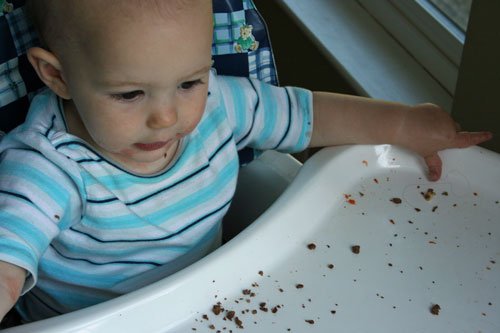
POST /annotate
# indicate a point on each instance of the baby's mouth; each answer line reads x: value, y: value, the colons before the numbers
x: 151, y: 146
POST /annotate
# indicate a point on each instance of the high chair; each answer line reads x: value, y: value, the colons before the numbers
x: 355, y: 240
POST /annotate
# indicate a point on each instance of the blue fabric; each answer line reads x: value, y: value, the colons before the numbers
x: 229, y: 17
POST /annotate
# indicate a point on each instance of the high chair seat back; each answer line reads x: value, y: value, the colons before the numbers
x: 241, y: 47
x: 18, y: 81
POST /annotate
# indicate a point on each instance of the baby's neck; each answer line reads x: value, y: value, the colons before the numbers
x: 74, y: 123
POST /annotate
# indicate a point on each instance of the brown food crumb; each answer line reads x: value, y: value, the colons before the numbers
x: 246, y: 291
x: 330, y: 266
x: 435, y: 309
x: 261, y: 273
x: 217, y: 309
x: 429, y: 194
x: 299, y: 286
x: 397, y: 201
x: 310, y: 321
x: 238, y: 322
x: 355, y: 249
x: 230, y: 315
x: 311, y: 246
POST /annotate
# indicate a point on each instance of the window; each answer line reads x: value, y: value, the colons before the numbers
x: 432, y: 31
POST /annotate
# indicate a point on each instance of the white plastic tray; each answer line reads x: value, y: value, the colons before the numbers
x: 413, y: 255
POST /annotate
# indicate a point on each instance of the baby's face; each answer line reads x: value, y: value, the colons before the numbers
x: 141, y: 85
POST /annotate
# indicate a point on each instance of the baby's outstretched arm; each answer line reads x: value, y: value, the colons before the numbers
x: 424, y: 128
x: 11, y: 282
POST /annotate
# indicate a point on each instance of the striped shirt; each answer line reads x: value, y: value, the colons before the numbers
x: 87, y: 230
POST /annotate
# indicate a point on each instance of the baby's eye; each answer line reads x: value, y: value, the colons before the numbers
x: 189, y: 84
x: 128, y: 96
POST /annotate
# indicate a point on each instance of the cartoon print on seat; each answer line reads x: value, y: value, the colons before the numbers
x: 246, y: 41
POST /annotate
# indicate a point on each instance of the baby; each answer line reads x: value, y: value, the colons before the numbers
x: 125, y: 166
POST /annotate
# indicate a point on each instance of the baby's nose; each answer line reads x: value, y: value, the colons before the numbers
x: 163, y: 117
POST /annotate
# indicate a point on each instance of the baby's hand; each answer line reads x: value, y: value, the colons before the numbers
x: 427, y: 129
x: 11, y: 281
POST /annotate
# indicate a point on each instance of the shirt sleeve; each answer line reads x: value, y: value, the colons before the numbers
x: 266, y: 117
x: 37, y: 201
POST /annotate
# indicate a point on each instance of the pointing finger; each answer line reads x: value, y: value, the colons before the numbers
x: 434, y: 165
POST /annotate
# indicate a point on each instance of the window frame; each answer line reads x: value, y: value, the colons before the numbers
x: 365, y: 53
x: 425, y: 32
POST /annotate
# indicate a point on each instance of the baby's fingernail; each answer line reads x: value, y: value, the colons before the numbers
x: 433, y: 176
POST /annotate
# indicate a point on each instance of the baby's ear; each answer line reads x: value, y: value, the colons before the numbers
x: 49, y: 70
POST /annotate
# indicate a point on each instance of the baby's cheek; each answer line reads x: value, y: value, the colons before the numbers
x: 189, y: 128
x: 108, y: 141
x: 192, y: 123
